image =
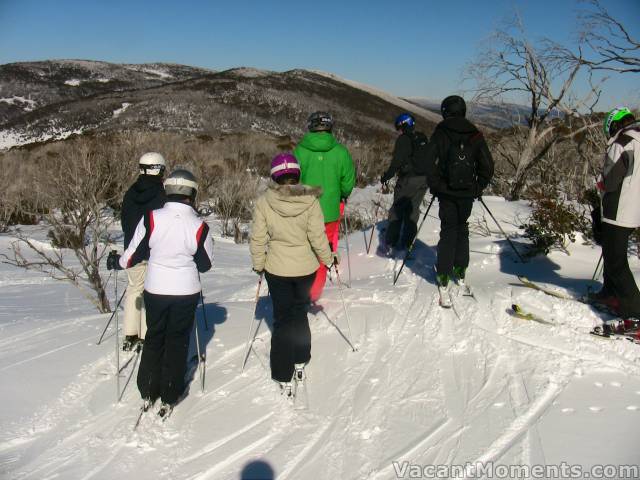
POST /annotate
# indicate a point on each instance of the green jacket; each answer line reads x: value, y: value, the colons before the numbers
x: 326, y: 163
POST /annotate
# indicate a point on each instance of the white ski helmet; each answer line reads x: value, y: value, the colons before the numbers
x: 181, y: 182
x: 152, y: 163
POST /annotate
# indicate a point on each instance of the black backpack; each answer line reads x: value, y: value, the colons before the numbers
x: 460, y: 164
x: 418, y: 160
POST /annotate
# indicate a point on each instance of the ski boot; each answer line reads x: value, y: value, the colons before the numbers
x: 131, y: 343
x: 299, y: 374
x: 383, y: 250
x: 300, y: 394
x: 459, y: 274
x: 443, y: 290
x: 604, y: 299
x: 165, y: 410
x: 286, y: 389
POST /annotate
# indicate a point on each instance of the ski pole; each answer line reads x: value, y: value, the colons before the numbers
x: 413, y: 242
x: 201, y: 358
x: 595, y: 272
x: 346, y: 238
x: 249, y: 343
x: 117, y: 346
x: 111, y: 317
x: 346, y: 312
x: 204, y: 312
x: 373, y: 226
x: 505, y: 235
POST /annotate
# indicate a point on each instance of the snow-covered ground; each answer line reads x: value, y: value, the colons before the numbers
x: 425, y: 387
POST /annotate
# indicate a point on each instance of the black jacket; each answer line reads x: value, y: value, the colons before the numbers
x: 400, y: 163
x: 457, y: 129
x: 147, y: 193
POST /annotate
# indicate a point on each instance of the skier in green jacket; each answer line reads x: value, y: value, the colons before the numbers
x: 327, y: 164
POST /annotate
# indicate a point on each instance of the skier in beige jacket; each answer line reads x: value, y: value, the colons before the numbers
x: 288, y: 242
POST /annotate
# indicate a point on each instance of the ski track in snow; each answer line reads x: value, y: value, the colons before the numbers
x: 427, y: 385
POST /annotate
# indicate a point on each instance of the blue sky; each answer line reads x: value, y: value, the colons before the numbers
x: 412, y: 48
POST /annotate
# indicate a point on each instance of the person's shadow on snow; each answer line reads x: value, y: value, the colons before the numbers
x: 421, y: 261
x: 257, y: 470
x: 205, y: 323
x: 538, y: 269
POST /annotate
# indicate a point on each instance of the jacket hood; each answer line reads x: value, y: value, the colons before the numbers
x: 459, y: 125
x: 146, y: 188
x: 632, y: 130
x: 318, y: 141
x: 291, y: 200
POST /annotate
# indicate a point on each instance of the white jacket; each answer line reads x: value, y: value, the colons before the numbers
x: 620, y: 180
x: 178, y: 246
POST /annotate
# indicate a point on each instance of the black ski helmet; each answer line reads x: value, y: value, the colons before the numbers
x: 453, y: 106
x: 320, y: 122
x: 181, y: 182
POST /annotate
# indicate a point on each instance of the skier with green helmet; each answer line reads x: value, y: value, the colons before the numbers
x: 619, y: 188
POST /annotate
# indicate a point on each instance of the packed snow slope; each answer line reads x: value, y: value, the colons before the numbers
x: 425, y: 386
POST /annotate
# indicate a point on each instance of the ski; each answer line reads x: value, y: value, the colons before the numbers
x: 518, y: 312
x: 535, y: 286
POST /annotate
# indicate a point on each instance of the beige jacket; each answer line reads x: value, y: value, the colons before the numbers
x: 287, y: 235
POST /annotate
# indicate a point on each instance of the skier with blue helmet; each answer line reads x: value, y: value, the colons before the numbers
x: 408, y: 164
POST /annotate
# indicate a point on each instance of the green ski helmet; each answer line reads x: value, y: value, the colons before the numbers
x: 614, y: 115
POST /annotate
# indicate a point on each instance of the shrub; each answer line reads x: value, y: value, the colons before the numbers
x: 553, y: 223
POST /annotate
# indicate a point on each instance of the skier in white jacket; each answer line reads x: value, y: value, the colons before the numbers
x: 177, y: 245
x: 619, y: 188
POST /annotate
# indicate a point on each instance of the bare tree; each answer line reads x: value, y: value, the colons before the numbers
x: 615, y: 48
x: 75, y: 187
x: 232, y: 201
x: 511, y: 67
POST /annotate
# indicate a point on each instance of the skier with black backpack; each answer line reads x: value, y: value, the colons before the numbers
x: 459, y: 168
x: 409, y: 164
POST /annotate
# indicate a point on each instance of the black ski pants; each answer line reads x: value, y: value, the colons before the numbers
x: 291, y: 336
x: 163, y: 364
x: 405, y: 211
x: 618, y: 279
x: 453, y: 247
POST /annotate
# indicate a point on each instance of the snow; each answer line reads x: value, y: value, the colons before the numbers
x: 121, y: 110
x: 385, y: 96
x: 30, y: 104
x: 424, y: 388
x: 249, y: 72
x: 157, y: 72
x: 9, y: 138
x: 74, y: 82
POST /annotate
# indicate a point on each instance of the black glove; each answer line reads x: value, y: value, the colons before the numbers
x: 113, y: 261
x: 335, y: 260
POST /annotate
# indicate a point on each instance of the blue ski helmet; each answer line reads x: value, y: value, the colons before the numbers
x: 405, y: 121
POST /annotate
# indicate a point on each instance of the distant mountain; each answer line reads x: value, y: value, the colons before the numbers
x: 47, y: 100
x: 503, y: 115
